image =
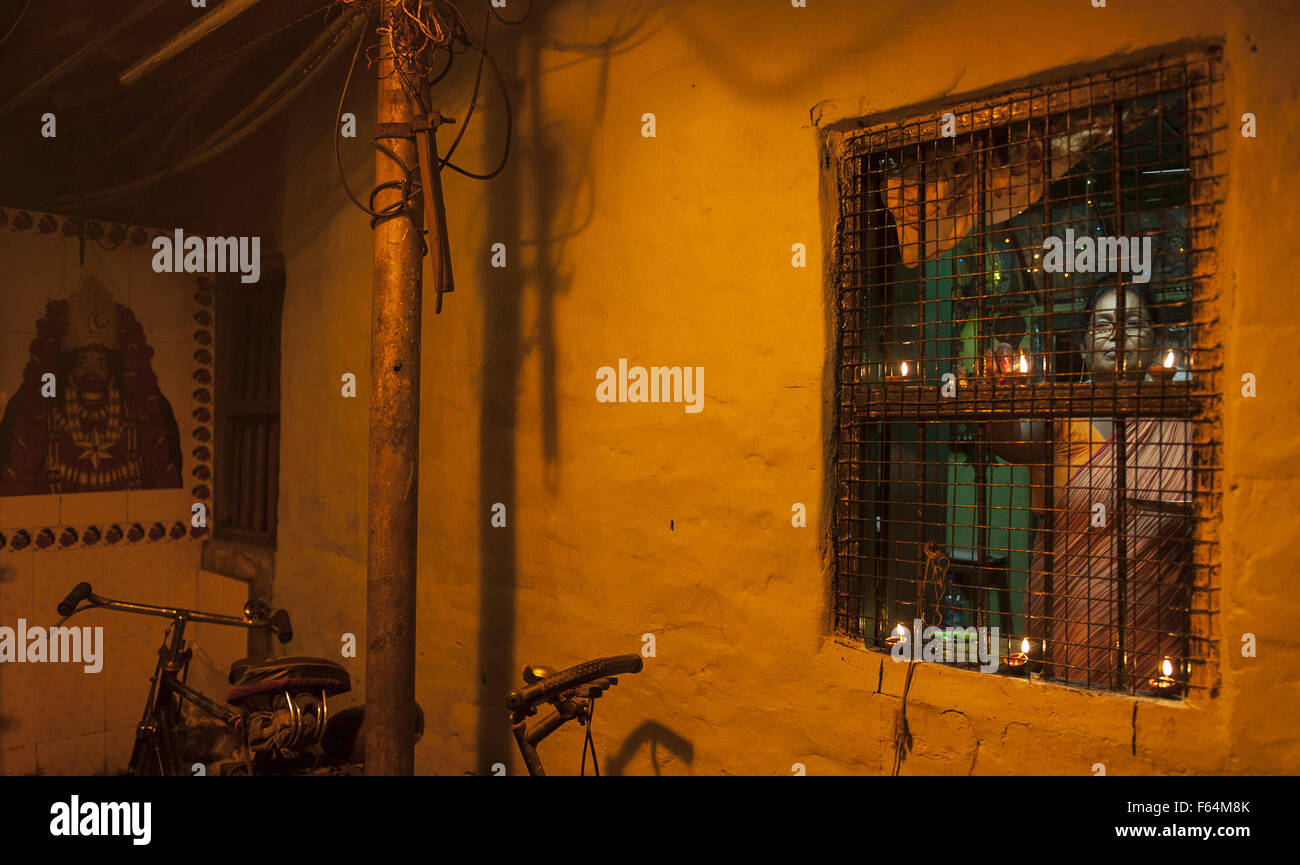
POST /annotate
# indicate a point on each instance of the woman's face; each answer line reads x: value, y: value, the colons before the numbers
x: 1101, y: 351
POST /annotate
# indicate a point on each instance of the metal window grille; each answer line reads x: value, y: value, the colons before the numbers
x: 1066, y: 496
x: 247, y: 466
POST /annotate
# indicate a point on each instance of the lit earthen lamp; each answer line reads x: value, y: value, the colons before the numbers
x: 1021, y: 370
x: 899, y: 636
x: 902, y: 377
x: 1166, y: 680
x: 1016, y: 660
x: 894, y: 383
x: 1163, y: 371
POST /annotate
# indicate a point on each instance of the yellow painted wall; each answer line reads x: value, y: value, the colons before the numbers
x: 675, y: 251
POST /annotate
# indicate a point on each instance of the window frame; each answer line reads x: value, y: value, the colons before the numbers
x: 1196, y: 70
x: 232, y: 483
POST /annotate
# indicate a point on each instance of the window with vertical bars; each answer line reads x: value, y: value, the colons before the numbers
x: 247, y: 377
x: 1028, y: 433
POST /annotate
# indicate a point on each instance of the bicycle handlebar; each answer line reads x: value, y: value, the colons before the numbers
x: 278, y: 623
x: 78, y: 594
x: 521, y: 699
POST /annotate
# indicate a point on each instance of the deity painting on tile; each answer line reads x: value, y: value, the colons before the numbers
x: 107, y: 425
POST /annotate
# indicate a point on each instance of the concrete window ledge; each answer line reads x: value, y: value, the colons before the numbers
x: 252, y: 563
x: 249, y: 563
x: 859, y: 659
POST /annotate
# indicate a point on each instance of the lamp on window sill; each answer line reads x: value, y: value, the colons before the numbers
x: 1016, y: 660
x: 898, y: 636
x: 1164, y: 371
x: 1020, y: 370
x: 1166, y: 680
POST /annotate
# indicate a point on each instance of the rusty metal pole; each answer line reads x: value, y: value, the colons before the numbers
x: 394, y: 453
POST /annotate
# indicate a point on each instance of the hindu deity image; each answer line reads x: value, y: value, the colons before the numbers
x: 101, y: 422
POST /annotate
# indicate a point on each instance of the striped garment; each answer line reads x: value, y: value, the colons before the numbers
x: 1074, y: 584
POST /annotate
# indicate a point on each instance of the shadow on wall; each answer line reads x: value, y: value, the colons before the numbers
x: 761, y: 65
x: 502, y: 353
x: 539, y: 155
x: 656, y: 735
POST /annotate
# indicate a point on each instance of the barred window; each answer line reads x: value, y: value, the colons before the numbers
x: 247, y: 405
x: 1028, y: 376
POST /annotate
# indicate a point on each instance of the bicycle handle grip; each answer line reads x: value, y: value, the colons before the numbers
x: 282, y: 626
x: 522, y: 698
x: 69, y: 604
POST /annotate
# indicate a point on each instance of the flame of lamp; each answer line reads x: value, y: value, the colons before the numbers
x: 1166, y: 679
x: 1164, y: 371
x: 901, y: 377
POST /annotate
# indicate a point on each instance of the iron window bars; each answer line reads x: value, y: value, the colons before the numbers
x: 1104, y: 574
x: 247, y: 467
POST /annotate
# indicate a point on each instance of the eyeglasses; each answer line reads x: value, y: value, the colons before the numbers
x: 1105, y: 327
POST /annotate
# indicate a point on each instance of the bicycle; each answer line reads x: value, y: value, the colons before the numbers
x: 278, y: 708
x: 572, y: 693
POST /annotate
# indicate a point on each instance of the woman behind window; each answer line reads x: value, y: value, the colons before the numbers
x: 1078, y: 619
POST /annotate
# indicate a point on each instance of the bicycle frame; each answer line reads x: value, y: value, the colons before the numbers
x: 528, y: 740
x: 155, y: 752
x: 572, y: 693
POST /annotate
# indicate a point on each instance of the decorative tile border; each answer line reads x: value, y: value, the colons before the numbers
x: 49, y: 223
x: 204, y: 347
x: 54, y: 538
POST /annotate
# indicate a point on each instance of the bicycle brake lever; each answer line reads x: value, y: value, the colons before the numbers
x: 596, y: 687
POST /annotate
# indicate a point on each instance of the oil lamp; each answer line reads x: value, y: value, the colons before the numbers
x: 1019, y: 369
x: 899, y: 636
x: 1166, y: 679
x: 903, y: 370
x: 1164, y: 371
x: 1015, y: 660
x: 894, y: 383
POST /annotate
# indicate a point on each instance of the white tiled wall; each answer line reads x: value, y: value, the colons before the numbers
x: 57, y: 719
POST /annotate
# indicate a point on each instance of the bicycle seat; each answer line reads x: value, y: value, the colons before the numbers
x: 252, y: 676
